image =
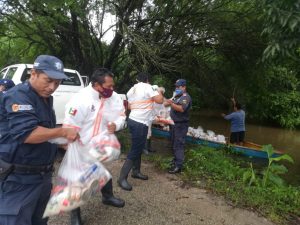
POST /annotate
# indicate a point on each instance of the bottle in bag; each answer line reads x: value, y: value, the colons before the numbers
x: 88, y: 173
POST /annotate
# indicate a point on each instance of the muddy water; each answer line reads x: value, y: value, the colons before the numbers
x: 282, y: 139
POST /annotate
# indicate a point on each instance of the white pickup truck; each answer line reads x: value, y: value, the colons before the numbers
x: 21, y: 72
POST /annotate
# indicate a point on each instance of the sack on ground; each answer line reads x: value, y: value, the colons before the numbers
x: 79, y: 177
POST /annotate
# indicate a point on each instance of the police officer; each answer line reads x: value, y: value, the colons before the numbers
x: 180, y: 106
x: 90, y: 112
x: 27, y: 121
x: 141, y: 98
x: 5, y: 85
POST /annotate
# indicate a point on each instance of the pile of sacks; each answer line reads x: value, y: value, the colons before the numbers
x: 209, y: 135
x: 81, y: 173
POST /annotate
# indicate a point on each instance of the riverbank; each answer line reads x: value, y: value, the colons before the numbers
x: 164, y: 199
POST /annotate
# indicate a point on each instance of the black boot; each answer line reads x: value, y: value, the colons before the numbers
x: 108, y: 197
x: 122, y: 181
x: 149, y: 148
x: 76, y: 217
x: 145, y: 149
x: 136, y: 170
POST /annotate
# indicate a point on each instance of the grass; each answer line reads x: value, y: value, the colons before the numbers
x: 218, y: 172
x: 222, y: 173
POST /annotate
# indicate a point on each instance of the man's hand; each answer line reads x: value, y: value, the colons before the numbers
x: 70, y: 133
x: 111, y: 127
x: 223, y: 115
x: 168, y: 102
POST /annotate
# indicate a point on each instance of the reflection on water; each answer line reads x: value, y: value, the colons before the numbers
x: 282, y: 139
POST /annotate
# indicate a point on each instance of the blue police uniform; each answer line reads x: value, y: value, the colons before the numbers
x: 180, y: 127
x: 24, y: 193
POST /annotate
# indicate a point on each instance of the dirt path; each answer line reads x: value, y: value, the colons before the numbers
x: 164, y: 200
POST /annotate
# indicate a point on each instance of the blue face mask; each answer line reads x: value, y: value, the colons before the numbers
x: 178, y: 92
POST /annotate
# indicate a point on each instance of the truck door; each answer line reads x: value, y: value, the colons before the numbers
x: 64, y: 92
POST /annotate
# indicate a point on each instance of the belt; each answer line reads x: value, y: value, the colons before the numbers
x: 32, y: 169
x: 185, y: 121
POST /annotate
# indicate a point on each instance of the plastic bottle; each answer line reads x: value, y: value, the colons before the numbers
x: 88, y: 173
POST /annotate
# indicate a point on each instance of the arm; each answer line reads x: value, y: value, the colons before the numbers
x: 176, y: 107
x: 158, y: 98
x: 42, y: 134
x: 233, y: 101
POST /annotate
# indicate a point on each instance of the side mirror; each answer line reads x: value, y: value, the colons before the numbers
x: 85, y: 80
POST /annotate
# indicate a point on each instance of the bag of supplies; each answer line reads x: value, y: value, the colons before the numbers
x: 105, y: 147
x: 79, y: 177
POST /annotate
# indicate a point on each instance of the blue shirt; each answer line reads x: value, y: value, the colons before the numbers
x: 21, y: 111
x: 237, y: 120
x: 185, y: 101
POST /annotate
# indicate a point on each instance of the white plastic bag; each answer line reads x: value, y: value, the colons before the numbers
x: 79, y: 177
x: 105, y: 147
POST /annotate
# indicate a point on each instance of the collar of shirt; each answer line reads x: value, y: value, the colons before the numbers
x: 95, y: 94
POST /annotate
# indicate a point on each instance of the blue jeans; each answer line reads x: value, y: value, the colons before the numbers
x: 138, y: 133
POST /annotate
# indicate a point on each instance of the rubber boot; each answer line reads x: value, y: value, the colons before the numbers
x: 149, y: 148
x: 76, y: 217
x: 108, y: 197
x: 136, y: 170
x: 122, y: 181
x: 145, y: 149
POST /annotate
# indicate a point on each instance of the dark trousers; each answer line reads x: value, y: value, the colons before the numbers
x: 138, y: 133
x: 178, y: 134
x: 24, y: 204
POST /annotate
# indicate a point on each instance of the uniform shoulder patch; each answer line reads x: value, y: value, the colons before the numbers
x: 16, y: 107
x: 72, y: 111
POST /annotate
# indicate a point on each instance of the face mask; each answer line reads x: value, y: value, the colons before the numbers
x: 178, y: 92
x: 106, y: 93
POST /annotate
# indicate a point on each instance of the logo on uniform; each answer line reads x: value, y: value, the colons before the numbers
x: 16, y: 107
x: 93, y: 109
x: 72, y: 111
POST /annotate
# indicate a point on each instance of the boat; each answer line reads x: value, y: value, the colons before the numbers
x: 249, y: 149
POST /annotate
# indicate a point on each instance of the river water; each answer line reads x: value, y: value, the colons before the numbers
x: 282, y: 139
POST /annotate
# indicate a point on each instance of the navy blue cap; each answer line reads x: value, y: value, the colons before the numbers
x: 180, y: 82
x: 52, y: 66
x: 7, y: 83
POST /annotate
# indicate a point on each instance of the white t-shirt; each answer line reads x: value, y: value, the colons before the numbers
x: 141, y: 102
x: 90, y: 115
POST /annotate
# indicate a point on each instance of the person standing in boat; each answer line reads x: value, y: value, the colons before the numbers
x: 180, y: 106
x: 237, y: 119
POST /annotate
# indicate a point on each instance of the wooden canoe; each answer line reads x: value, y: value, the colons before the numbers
x: 248, y: 149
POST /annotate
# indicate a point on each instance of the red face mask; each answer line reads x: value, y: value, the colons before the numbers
x: 106, y: 93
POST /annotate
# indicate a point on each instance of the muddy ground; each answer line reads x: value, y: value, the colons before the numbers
x: 165, y: 200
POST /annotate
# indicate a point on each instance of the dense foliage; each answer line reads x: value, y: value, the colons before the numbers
x: 224, y: 48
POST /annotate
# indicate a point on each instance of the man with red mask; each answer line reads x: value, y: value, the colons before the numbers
x: 90, y: 112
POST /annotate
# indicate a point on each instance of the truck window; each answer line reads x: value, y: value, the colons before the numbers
x: 2, y: 73
x: 73, y: 79
x: 10, y: 73
x: 26, y: 74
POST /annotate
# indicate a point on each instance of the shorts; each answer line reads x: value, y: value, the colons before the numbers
x: 237, y: 137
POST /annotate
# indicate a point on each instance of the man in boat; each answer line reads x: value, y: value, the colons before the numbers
x: 180, y: 106
x: 237, y: 119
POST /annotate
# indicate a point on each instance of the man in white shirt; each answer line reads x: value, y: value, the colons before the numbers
x: 94, y: 109
x: 141, y: 98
